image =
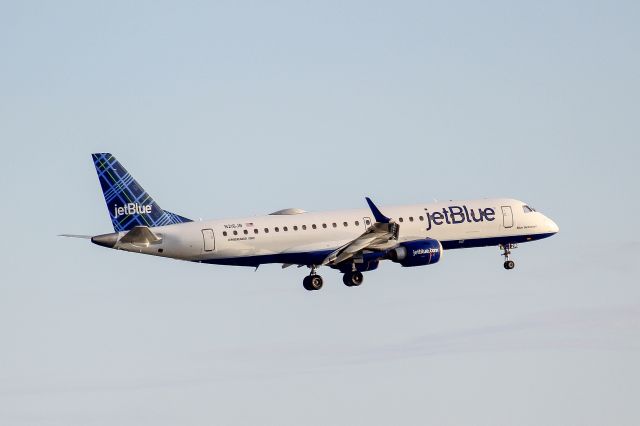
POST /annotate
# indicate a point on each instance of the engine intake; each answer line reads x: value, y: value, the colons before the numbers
x: 416, y: 253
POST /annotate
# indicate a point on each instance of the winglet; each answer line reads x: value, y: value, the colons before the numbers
x: 376, y: 212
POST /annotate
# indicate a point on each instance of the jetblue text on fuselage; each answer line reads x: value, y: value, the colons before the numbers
x: 131, y: 208
x: 457, y: 214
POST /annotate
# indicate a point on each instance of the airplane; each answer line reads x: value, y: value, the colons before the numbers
x: 350, y: 241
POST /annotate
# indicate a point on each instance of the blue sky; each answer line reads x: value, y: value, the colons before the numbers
x: 239, y: 108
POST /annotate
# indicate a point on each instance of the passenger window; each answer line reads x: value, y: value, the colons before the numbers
x: 295, y: 227
x: 246, y: 232
x: 421, y: 218
x: 334, y: 225
x: 324, y: 225
x: 276, y: 229
x: 345, y: 224
x: 401, y: 220
x: 224, y: 233
x: 255, y: 230
x: 314, y: 226
x: 368, y: 222
x: 410, y: 218
x: 266, y: 230
x: 235, y: 232
x: 285, y: 229
x: 304, y: 227
x: 357, y: 223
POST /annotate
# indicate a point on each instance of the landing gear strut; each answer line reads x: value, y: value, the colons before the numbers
x: 352, y: 279
x: 313, y: 281
x: 506, y: 252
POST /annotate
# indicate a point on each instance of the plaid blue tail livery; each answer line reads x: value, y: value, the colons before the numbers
x: 128, y: 203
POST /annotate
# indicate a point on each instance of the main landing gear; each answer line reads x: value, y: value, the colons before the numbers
x: 352, y: 279
x: 312, y: 281
x: 506, y: 252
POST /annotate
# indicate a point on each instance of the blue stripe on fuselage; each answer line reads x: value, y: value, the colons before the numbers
x: 494, y: 241
x: 316, y: 257
x: 304, y: 258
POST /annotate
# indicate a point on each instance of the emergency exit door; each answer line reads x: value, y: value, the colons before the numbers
x: 366, y: 221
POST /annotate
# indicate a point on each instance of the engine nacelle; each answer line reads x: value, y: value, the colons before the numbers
x: 416, y: 253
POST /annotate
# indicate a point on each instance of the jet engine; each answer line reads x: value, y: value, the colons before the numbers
x: 416, y: 253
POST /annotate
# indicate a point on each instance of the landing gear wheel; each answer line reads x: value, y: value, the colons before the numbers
x: 346, y: 279
x: 509, y: 264
x: 506, y: 252
x: 312, y: 282
x: 305, y: 283
x: 352, y: 279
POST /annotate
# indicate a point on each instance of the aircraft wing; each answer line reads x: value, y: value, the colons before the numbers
x: 381, y: 235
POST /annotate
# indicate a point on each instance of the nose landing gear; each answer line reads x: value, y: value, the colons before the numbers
x: 506, y: 252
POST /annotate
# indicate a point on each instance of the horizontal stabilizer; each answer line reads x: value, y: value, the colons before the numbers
x: 140, y: 235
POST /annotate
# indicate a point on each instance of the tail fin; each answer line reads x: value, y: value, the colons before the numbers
x: 128, y: 203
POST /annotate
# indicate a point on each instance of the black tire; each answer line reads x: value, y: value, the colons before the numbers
x: 509, y: 264
x: 352, y: 279
x: 356, y: 278
x: 346, y: 279
x: 315, y: 282
x: 306, y: 283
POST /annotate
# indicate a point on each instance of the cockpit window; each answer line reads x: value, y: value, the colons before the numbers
x: 528, y: 209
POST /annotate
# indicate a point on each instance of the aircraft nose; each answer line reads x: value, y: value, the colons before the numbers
x: 552, y: 226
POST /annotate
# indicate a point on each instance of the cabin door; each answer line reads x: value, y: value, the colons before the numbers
x: 209, y: 240
x: 507, y: 217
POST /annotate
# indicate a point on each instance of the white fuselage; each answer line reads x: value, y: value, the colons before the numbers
x: 292, y: 238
